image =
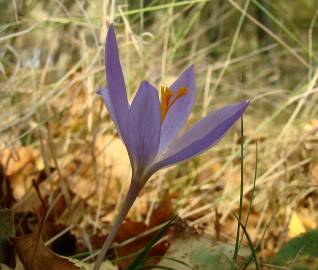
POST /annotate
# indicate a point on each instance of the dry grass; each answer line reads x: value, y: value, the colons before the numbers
x: 52, y: 64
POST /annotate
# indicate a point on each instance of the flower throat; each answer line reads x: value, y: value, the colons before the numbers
x: 168, y: 98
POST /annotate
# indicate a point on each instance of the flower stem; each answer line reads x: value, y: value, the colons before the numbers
x: 128, y: 202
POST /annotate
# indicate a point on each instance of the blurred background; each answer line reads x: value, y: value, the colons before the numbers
x: 55, y: 128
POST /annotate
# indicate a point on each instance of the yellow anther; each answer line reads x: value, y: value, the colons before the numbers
x: 168, y: 98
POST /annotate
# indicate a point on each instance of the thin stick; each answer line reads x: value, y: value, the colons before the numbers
x: 237, y: 242
x: 36, y: 187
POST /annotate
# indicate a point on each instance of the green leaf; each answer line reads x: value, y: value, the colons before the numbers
x: 300, y: 253
x: 204, y: 258
x: 138, y: 261
x: 192, y: 251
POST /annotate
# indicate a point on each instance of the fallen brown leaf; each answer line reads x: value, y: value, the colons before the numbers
x: 34, y: 255
x: 19, y: 164
x: 130, y: 229
x: 113, y: 171
x: 113, y: 155
x: 32, y: 252
x: 14, y: 161
x: 162, y: 213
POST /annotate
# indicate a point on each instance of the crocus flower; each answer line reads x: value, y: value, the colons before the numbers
x: 149, y: 127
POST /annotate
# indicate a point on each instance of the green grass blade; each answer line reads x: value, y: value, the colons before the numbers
x: 141, y: 256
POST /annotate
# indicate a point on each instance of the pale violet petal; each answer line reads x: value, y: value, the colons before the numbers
x: 115, y: 96
x: 143, y: 133
x: 202, y: 135
x: 179, y: 112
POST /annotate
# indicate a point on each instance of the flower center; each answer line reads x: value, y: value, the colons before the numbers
x: 168, y: 98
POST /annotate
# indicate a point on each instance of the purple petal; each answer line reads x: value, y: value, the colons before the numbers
x: 179, y: 112
x: 105, y: 93
x: 202, y: 135
x: 143, y: 133
x: 115, y: 97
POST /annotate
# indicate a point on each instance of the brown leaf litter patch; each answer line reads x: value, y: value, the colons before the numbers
x: 133, y: 236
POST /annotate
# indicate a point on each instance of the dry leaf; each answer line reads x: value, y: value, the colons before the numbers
x: 162, y: 213
x: 17, y: 160
x: 311, y: 124
x: 113, y: 154
x: 18, y: 165
x: 113, y: 168
x: 34, y: 255
x: 314, y: 173
x: 130, y: 229
x: 207, y: 172
x: 308, y: 219
x: 295, y: 226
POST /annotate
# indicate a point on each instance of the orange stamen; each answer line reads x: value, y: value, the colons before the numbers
x: 168, y: 98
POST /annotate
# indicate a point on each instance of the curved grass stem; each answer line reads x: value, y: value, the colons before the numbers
x: 237, y: 242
